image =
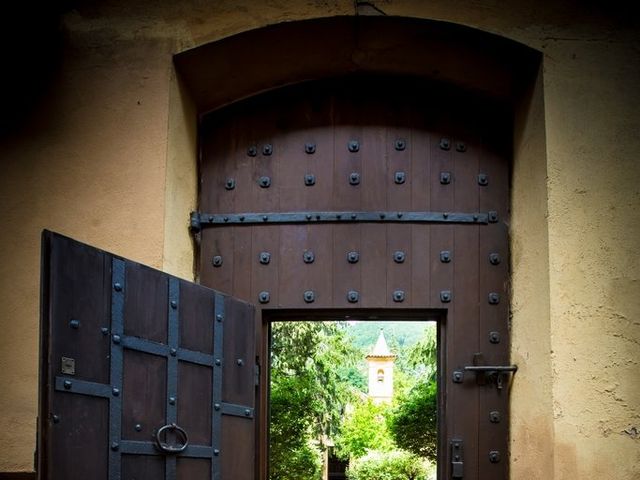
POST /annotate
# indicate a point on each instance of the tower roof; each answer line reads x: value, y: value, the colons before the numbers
x: 381, y: 349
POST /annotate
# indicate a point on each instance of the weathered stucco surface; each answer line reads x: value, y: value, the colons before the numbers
x: 109, y: 158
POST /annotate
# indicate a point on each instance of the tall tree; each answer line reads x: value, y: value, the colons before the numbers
x: 413, y: 423
x: 310, y: 362
x: 364, y: 429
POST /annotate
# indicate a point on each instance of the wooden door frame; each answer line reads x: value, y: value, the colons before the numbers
x: 265, y: 317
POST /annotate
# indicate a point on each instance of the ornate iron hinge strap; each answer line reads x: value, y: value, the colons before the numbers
x: 201, y: 220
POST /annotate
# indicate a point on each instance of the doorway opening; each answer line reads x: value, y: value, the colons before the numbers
x: 353, y: 399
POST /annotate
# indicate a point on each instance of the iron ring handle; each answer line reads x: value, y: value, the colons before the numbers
x: 171, y: 449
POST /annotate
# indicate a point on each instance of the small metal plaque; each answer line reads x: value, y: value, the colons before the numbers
x: 68, y: 366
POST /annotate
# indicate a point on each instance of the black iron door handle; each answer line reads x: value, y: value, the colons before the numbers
x: 495, y: 372
x: 172, y: 449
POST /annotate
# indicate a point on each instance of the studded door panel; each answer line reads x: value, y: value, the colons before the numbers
x: 372, y: 193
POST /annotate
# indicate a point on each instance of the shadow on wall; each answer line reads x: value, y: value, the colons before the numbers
x: 32, y: 39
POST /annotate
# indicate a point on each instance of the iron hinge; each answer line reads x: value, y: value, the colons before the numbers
x: 200, y: 220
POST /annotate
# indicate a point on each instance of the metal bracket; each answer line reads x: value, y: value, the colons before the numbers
x: 493, y: 373
x: 201, y: 220
x: 457, y: 461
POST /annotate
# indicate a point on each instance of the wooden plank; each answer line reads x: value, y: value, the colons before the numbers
x: 441, y: 276
x: 465, y: 269
x: 293, y: 272
x: 192, y: 468
x: 144, y: 395
x: 420, y: 143
x: 76, y: 286
x: 238, y: 457
x: 143, y: 467
x: 82, y: 434
x: 217, y: 242
x: 319, y: 131
x: 195, y: 313
x: 238, y: 444
x: 265, y: 278
x: 195, y: 402
x: 244, y: 136
x: 347, y: 194
x: 399, y: 237
x: 145, y: 308
x: 319, y: 273
x: 218, y: 150
x: 347, y: 276
x: 494, y: 318
x: 239, y: 355
x: 78, y: 292
x: 374, y: 267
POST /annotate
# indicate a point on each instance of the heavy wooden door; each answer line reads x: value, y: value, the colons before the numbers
x: 143, y: 376
x: 374, y: 194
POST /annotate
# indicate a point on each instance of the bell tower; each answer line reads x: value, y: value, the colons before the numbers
x: 380, y: 362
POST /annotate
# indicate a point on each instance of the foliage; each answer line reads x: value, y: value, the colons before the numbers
x: 307, y: 394
x: 423, y: 356
x: 413, y: 423
x: 364, y: 429
x: 292, y: 457
x: 396, y: 465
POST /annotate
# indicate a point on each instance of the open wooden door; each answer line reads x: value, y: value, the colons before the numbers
x: 143, y: 376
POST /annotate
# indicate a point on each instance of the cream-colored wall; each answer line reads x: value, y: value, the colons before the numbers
x: 109, y: 159
x: 90, y: 164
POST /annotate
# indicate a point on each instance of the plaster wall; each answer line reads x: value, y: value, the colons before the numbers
x: 109, y: 158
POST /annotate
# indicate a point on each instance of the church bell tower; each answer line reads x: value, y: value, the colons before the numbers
x: 380, y: 362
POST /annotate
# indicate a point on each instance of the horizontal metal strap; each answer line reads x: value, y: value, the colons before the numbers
x: 201, y: 220
x: 198, y: 358
x: 82, y: 387
x: 162, y: 350
x: 237, y: 410
x: 132, y: 447
x: 146, y: 346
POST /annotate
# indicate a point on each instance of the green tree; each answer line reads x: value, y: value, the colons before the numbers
x: 413, y: 422
x: 310, y: 362
x: 364, y: 429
